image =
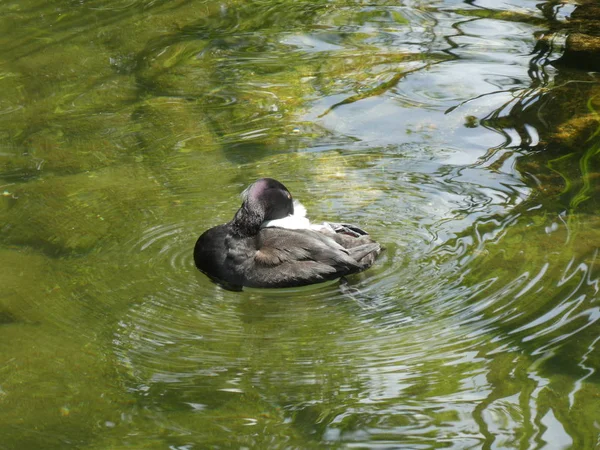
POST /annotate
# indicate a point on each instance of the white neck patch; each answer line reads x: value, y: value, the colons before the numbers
x: 297, y: 221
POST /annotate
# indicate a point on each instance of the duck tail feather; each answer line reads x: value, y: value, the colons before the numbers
x: 365, y: 254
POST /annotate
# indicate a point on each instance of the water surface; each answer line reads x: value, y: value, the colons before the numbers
x: 446, y: 129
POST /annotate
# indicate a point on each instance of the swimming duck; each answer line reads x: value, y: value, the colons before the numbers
x: 270, y: 243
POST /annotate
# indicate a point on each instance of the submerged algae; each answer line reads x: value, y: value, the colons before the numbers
x: 64, y: 215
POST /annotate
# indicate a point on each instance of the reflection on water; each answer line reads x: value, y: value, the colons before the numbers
x: 451, y: 131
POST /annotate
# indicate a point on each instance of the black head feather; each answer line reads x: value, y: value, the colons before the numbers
x: 265, y: 199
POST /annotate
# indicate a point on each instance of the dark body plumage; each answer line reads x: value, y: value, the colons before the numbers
x: 244, y: 252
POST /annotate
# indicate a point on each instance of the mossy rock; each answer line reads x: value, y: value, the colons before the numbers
x: 13, y: 95
x: 57, y: 389
x: 178, y: 69
x: 72, y: 214
x: 80, y: 144
x: 12, y: 115
x: 138, y: 29
x: 25, y: 277
x: 575, y: 132
x: 70, y: 133
x: 57, y: 385
x: 56, y: 69
x: 172, y: 125
x: 36, y: 290
x: 582, y: 51
x: 14, y: 163
x: 49, y: 150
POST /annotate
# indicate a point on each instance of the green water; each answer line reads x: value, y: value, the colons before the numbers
x: 128, y: 128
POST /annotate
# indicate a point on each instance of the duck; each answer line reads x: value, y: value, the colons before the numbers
x: 270, y: 243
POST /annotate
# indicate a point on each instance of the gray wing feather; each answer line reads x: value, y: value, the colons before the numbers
x: 301, y: 255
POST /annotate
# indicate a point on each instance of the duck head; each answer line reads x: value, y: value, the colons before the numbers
x: 265, y: 199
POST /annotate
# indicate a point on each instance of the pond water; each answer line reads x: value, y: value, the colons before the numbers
x: 449, y: 130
